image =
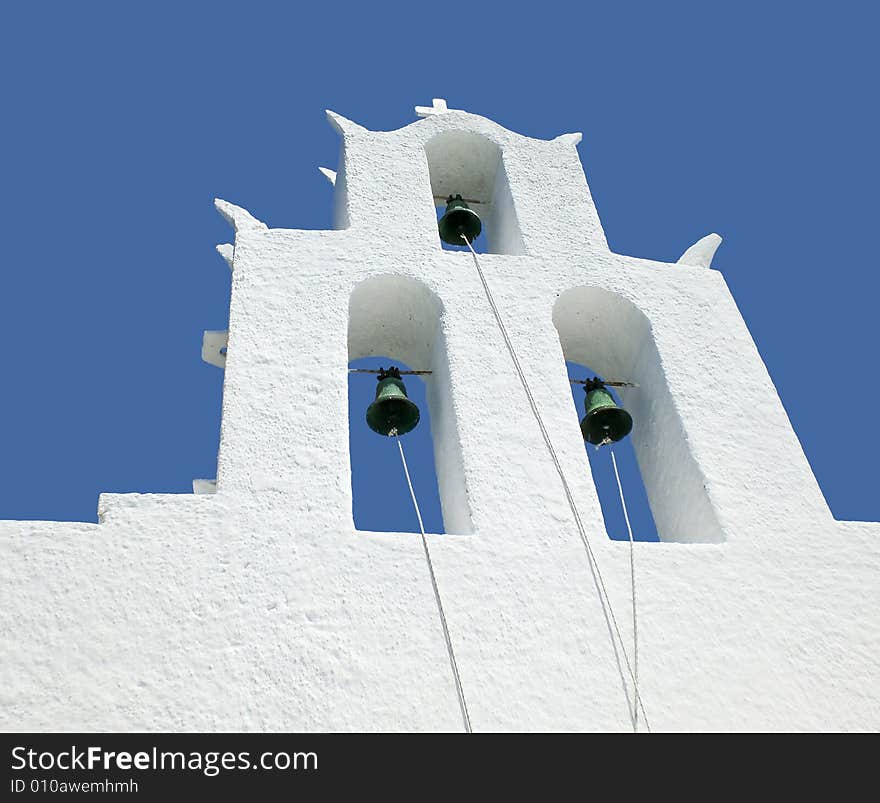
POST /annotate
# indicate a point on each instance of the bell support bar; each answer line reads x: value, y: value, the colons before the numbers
x: 382, y: 371
x: 466, y: 200
x: 615, y: 383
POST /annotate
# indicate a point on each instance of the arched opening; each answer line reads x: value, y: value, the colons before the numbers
x: 637, y: 507
x: 605, y: 331
x: 396, y: 320
x: 470, y: 165
x: 381, y: 500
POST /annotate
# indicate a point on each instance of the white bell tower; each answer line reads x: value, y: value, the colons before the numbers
x: 255, y: 604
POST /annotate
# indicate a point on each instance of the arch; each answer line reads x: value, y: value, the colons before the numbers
x: 472, y: 165
x: 638, y: 509
x: 401, y: 318
x: 614, y: 337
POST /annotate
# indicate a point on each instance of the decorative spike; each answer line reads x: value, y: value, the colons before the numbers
x: 226, y: 250
x: 329, y: 174
x: 700, y: 254
x: 570, y: 139
x: 237, y: 217
x: 214, y: 343
x: 343, y: 125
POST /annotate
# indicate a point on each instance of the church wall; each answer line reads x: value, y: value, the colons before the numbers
x: 260, y: 607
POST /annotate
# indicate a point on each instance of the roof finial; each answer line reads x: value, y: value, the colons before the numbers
x: 438, y: 107
x: 701, y: 252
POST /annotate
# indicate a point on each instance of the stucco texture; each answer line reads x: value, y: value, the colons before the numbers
x: 260, y: 607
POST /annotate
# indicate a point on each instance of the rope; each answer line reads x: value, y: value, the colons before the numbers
x: 458, y: 687
x: 594, y: 564
x: 632, y: 574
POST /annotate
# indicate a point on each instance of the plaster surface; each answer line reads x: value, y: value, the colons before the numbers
x: 254, y: 604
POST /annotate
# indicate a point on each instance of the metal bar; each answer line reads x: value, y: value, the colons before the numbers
x: 377, y: 371
x: 466, y: 200
x: 615, y: 383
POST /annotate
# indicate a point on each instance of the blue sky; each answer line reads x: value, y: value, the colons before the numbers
x: 121, y: 125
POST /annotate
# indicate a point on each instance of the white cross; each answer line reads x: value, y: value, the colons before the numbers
x: 439, y: 107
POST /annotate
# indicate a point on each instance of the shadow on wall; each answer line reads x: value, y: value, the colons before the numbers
x: 399, y: 320
x: 609, y: 333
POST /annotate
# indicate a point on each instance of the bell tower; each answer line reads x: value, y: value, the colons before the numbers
x: 255, y: 604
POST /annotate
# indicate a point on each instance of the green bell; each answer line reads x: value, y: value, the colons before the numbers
x: 604, y: 421
x: 459, y: 219
x: 392, y: 410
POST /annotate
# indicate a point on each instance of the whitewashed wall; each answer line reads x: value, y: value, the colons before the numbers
x: 260, y: 607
